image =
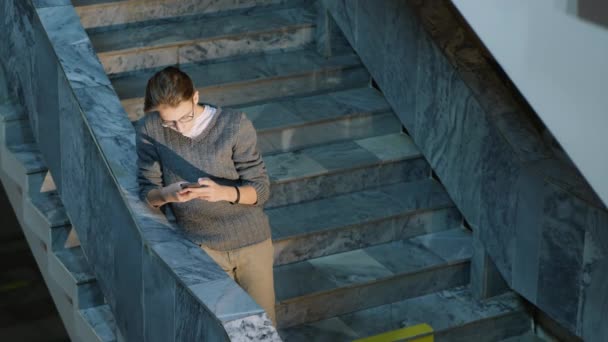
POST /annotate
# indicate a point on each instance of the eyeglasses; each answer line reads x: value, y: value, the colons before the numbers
x: 184, y: 119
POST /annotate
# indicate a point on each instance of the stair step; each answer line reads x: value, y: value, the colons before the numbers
x: 99, y: 14
x: 196, y: 39
x: 49, y: 208
x: 453, y: 314
x: 360, y: 219
x: 70, y: 269
x: 10, y: 111
x: 29, y: 157
x: 96, y: 324
x: 337, y: 168
x: 254, y: 78
x: 16, y: 132
x: 328, y: 286
x: 23, y: 164
x: 289, y: 124
x: 528, y: 337
x: 43, y: 212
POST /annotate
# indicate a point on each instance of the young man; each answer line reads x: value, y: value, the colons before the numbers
x: 182, y: 141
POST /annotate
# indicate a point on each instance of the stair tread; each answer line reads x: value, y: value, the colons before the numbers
x: 247, y: 69
x: 369, y: 264
x: 76, y: 264
x: 101, y: 320
x: 442, y: 310
x: 356, y: 208
x: 79, y: 3
x: 11, y: 111
x: 156, y: 34
x: 50, y: 206
x: 291, y: 112
x: 29, y: 156
x: 343, y: 155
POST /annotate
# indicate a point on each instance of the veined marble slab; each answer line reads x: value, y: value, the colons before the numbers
x: 331, y: 169
x: 295, y: 123
x: 102, y: 13
x: 449, y: 312
x: 247, y: 80
x: 331, y: 285
x: 196, y: 39
x: 96, y: 324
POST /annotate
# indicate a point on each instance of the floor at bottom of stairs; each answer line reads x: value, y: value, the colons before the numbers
x: 27, y: 311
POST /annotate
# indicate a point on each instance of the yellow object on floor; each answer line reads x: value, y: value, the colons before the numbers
x: 417, y: 333
x: 13, y: 286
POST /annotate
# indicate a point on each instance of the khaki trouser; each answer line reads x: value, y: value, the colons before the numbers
x: 251, y: 268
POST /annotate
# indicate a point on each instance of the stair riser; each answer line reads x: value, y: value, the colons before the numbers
x: 372, y: 233
x: 324, y: 305
x: 64, y: 307
x: 36, y: 222
x: 328, y: 185
x: 267, y: 89
x: 492, y: 329
x: 207, y: 50
x: 128, y: 12
x: 84, y: 295
x: 94, y: 329
x: 292, y: 138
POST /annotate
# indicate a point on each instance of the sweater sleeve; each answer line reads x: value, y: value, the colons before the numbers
x: 248, y: 161
x: 149, y: 174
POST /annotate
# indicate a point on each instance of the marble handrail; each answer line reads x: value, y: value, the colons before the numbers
x: 159, y: 285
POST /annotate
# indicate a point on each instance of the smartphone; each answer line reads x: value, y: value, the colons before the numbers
x: 191, y: 185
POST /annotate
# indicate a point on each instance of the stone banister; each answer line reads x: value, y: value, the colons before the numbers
x: 159, y: 285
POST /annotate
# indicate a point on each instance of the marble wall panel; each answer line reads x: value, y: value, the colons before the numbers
x: 159, y: 288
x: 594, y: 297
x: 47, y: 108
x: 113, y: 133
x: 17, y: 32
x: 561, y: 255
x: 525, y: 266
x: 455, y: 131
x: 510, y: 183
x: 98, y: 230
x: 128, y: 288
x: 71, y: 155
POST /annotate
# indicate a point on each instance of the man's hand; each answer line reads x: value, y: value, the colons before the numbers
x: 210, y: 191
x: 174, y: 193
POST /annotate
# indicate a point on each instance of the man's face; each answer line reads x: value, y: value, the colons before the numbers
x: 179, y: 118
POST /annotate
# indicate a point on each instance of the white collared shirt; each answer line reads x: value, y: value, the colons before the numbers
x: 201, y: 122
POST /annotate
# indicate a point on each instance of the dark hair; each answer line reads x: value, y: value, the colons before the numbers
x: 169, y: 86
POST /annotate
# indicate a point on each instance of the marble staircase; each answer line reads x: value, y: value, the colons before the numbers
x: 366, y: 240
x: 45, y: 224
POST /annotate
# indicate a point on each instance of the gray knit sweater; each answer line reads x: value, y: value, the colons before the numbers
x: 226, y: 151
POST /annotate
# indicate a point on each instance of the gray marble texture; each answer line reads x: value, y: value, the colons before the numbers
x: 331, y: 169
x: 93, y: 167
x: 94, y: 13
x: 509, y: 180
x: 295, y: 123
x: 246, y: 80
x: 187, y: 41
x: 330, y: 285
x: 101, y: 320
x: 457, y: 310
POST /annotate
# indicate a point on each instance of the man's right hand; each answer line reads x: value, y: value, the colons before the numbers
x: 170, y: 193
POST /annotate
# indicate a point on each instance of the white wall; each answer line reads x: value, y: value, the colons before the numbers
x: 559, y: 62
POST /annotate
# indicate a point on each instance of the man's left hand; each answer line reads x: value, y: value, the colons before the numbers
x: 211, y: 191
